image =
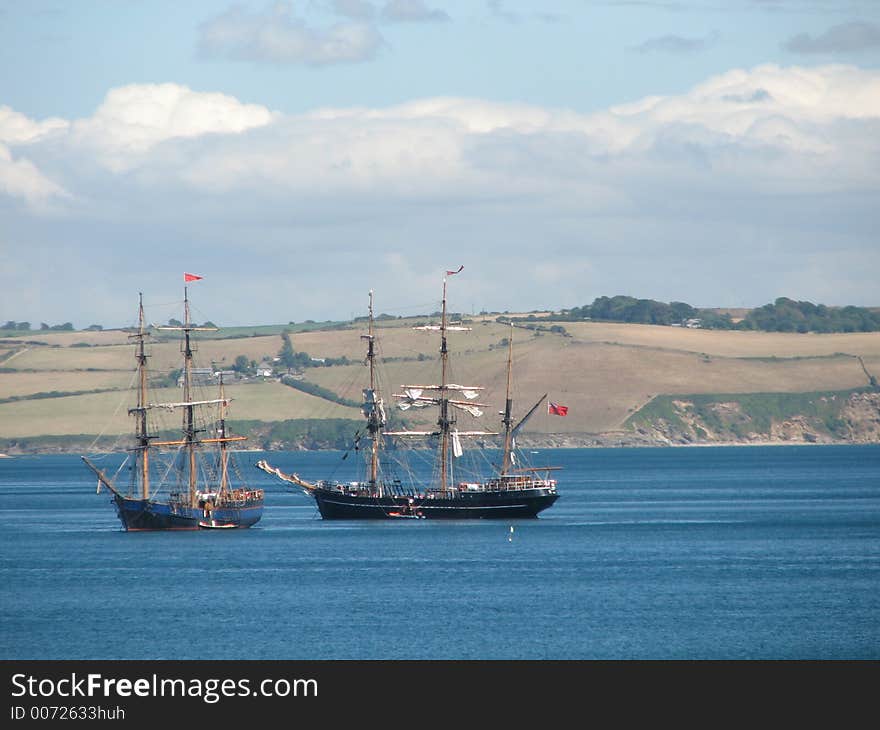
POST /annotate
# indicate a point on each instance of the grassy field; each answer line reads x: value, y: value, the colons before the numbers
x: 66, y: 339
x: 602, y: 384
x: 727, y: 343
x: 20, y: 384
x: 603, y: 372
x: 68, y: 359
x: 165, y: 355
x: 107, y: 412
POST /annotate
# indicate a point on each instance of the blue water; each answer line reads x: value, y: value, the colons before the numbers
x: 690, y: 553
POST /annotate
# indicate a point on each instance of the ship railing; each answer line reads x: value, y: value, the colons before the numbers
x: 239, y: 497
x: 367, y: 489
x: 507, y: 484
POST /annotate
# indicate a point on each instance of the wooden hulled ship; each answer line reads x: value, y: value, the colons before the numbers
x: 511, y: 491
x: 184, y: 483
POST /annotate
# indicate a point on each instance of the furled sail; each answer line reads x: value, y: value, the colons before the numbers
x: 437, y: 328
x: 470, y: 408
x: 172, y: 406
x: 412, y: 433
x: 456, y: 445
x: 412, y: 398
x: 373, y: 407
x: 468, y: 391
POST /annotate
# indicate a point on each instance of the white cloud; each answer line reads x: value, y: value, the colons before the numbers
x: 133, y: 119
x: 16, y: 128
x: 750, y: 120
x: 731, y: 102
x: 391, y: 196
x: 20, y: 178
x: 277, y: 36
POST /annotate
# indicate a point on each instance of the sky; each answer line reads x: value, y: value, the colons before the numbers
x: 297, y: 155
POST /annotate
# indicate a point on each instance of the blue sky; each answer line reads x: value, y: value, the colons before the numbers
x: 298, y: 154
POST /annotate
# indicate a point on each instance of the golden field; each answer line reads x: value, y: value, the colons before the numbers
x: 603, y: 372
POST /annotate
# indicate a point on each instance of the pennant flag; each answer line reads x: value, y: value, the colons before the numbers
x: 191, y: 277
x: 450, y: 273
x: 555, y: 409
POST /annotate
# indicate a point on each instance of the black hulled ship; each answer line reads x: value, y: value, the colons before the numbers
x: 183, y: 483
x: 511, y: 491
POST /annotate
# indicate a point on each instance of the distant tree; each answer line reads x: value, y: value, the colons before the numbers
x: 94, y: 328
x: 25, y: 326
x: 713, y: 320
x: 583, y: 312
x: 788, y: 315
x: 286, y: 355
x: 175, y: 323
x: 241, y: 364
x: 168, y: 380
x: 681, y: 311
x: 10, y: 325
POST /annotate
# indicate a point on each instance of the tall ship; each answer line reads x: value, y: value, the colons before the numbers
x: 190, y: 482
x: 510, y: 491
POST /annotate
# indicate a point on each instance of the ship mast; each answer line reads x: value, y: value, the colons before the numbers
x: 412, y: 397
x: 224, y: 456
x: 143, y: 437
x: 508, y: 404
x: 189, y: 430
x: 190, y: 440
x: 373, y: 417
x: 444, y: 422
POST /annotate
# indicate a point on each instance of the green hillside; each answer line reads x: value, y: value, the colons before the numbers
x: 614, y: 377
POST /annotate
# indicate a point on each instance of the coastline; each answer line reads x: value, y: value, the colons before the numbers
x: 616, y: 439
x: 604, y: 441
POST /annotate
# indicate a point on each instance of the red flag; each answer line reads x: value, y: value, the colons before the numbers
x: 450, y: 273
x: 556, y: 410
x: 191, y: 277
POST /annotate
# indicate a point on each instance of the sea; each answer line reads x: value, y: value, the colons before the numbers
x: 650, y: 553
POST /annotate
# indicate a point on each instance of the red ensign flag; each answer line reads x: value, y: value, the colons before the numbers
x: 191, y: 277
x: 450, y: 273
x: 556, y: 410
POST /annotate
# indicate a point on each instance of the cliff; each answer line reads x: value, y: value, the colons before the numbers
x: 851, y: 417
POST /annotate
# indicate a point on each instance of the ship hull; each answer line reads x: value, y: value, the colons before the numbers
x: 520, y: 504
x: 145, y: 515
x: 231, y: 518
x: 139, y: 515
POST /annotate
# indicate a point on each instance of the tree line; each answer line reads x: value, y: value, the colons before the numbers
x: 782, y: 315
x: 26, y: 326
